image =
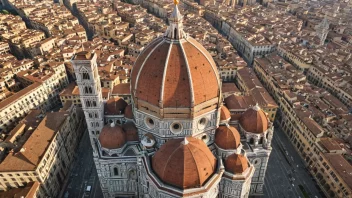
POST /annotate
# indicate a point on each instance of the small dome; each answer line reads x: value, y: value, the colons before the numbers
x: 128, y: 112
x: 112, y: 137
x: 227, y: 137
x: 184, y: 163
x: 115, y: 106
x: 130, y: 131
x: 236, y: 163
x: 254, y: 120
x: 225, y: 114
x: 148, y: 140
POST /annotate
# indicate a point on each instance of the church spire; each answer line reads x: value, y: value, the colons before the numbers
x: 175, y: 29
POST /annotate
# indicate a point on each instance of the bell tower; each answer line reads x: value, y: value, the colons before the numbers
x: 322, y: 30
x: 88, y: 81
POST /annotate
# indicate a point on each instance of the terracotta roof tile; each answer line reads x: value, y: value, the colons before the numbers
x: 204, y: 79
x: 173, y: 82
x: 176, y: 80
x: 227, y: 137
x: 122, y: 89
x: 112, y: 137
x: 150, y: 82
x: 184, y: 165
x: 115, y: 106
x: 35, y: 146
x: 224, y: 113
x: 141, y: 58
x: 254, y: 121
x: 236, y: 163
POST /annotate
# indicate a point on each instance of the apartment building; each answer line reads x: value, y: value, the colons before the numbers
x: 4, y: 48
x: 41, y: 150
x: 245, y: 30
x: 336, y: 82
x: 249, y: 84
x: 71, y: 94
x: 298, y: 56
x: 42, y: 92
x: 123, y: 91
x: 305, y: 113
x: 29, y: 190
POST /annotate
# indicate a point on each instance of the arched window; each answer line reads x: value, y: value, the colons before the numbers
x: 97, y: 124
x: 175, y: 33
x: 132, y: 174
x: 88, y: 103
x: 90, y: 90
x: 85, y: 76
x: 94, y: 104
x: 261, y: 140
x: 116, y: 172
x: 85, y: 90
x: 251, y: 141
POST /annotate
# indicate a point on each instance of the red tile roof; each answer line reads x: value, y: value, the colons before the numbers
x: 184, y: 163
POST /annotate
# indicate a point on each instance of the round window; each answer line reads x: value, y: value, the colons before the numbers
x: 149, y: 122
x: 176, y: 127
x: 257, y: 162
x: 205, y: 138
x: 202, y: 123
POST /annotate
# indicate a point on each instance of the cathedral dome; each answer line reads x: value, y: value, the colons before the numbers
x: 115, y: 106
x: 254, y: 120
x: 236, y: 163
x: 227, y: 137
x: 184, y: 163
x: 112, y: 137
x: 175, y: 72
x: 225, y: 114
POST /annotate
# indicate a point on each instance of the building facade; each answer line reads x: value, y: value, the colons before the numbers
x: 174, y: 139
x: 41, y: 92
x: 322, y: 155
x: 41, y: 149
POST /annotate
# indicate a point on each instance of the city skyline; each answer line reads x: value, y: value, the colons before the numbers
x: 145, y: 98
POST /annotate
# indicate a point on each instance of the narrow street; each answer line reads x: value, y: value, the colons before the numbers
x: 83, y: 173
x: 286, y: 175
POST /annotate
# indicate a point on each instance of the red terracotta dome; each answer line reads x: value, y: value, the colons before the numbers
x: 184, y: 163
x: 227, y: 137
x: 175, y: 74
x: 128, y: 112
x: 115, y: 106
x: 130, y: 131
x: 225, y: 114
x: 112, y: 137
x: 254, y: 120
x: 236, y: 163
